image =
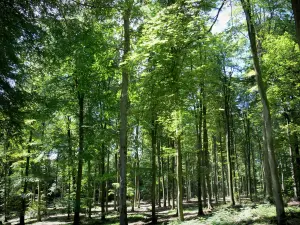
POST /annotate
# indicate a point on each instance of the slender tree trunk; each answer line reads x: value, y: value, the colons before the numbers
x: 222, y: 170
x: 5, y: 190
x: 89, y: 190
x: 187, y: 178
x: 39, y: 218
x: 215, y: 169
x: 228, y: 142
x: 295, y: 174
x: 173, y: 181
x: 179, y: 180
x: 206, y: 162
x: 23, y: 209
x: 123, y: 114
x: 6, y: 177
x: 248, y: 156
x: 107, y: 184
x: 153, y: 161
x: 80, y: 160
x: 136, y: 175
x: 163, y: 182
x: 69, y: 165
x: 102, y: 168
x: 266, y: 116
x: 168, y: 180
x: 199, y: 155
x: 159, y: 172
x: 253, y: 170
x: 117, y: 181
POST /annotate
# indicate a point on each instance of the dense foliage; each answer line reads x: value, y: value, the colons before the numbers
x: 103, y: 101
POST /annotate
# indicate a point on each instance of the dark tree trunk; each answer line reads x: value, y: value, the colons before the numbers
x: 215, y: 169
x: 159, y: 172
x: 281, y: 219
x: 206, y: 161
x: 123, y: 115
x: 153, y: 161
x: 80, y: 160
x: 222, y: 170
x: 23, y: 209
x: 228, y: 138
x: 199, y: 155
x: 102, y: 169
x: 179, y: 180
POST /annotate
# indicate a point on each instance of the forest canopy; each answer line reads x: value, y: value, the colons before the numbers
x: 138, y: 112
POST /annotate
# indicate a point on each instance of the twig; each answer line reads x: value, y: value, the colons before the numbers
x: 216, y: 17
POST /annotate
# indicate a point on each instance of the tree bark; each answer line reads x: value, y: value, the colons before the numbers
x: 107, y: 184
x: 23, y: 209
x: 215, y: 169
x: 159, y: 172
x: 69, y: 164
x: 222, y: 170
x: 136, y: 175
x: 102, y: 169
x: 123, y: 114
x: 293, y: 145
x: 80, y: 160
x: 153, y: 161
x: 173, y: 181
x: 266, y: 116
x: 39, y: 218
x: 89, y: 190
x: 168, y: 181
x: 206, y: 161
x: 199, y: 154
x: 228, y: 139
x: 179, y: 180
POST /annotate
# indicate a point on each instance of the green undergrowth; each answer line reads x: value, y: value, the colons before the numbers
x: 263, y: 214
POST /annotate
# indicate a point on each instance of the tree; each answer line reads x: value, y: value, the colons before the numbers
x: 266, y: 114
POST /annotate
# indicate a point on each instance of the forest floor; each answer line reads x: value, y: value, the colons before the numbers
x: 243, y: 214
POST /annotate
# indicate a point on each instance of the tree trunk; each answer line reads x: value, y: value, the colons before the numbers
x: 153, y: 161
x: 206, y: 161
x: 266, y: 116
x: 173, y: 181
x: 23, y: 209
x: 123, y: 114
x: 69, y: 164
x: 215, y: 169
x: 6, y: 177
x: 159, y: 172
x: 39, y: 218
x: 89, y: 190
x: 102, y: 169
x: 136, y: 175
x: 179, y: 180
x: 248, y: 156
x: 199, y: 154
x: 187, y: 178
x: 168, y: 180
x: 228, y: 140
x: 293, y: 145
x: 163, y: 182
x: 117, y: 181
x: 222, y: 170
x: 80, y: 160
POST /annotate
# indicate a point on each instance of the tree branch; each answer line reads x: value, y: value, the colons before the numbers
x: 216, y: 17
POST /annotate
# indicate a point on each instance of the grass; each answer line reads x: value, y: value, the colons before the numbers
x: 244, y: 214
x: 262, y: 214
